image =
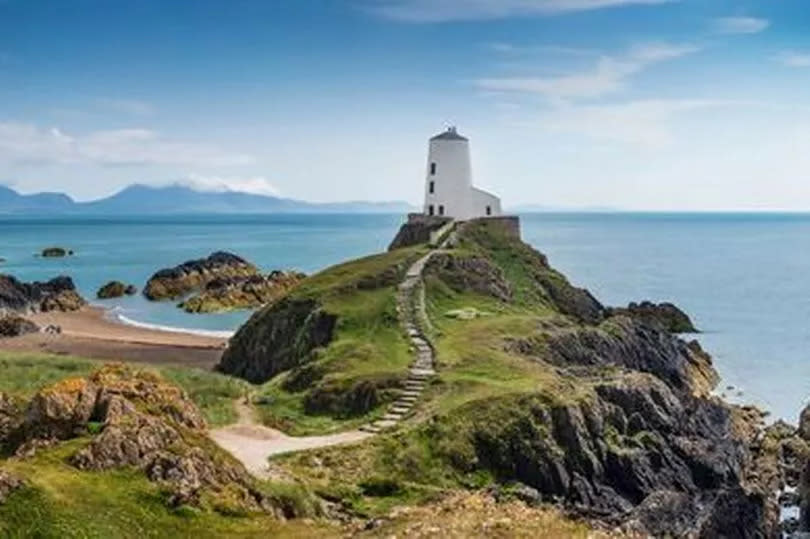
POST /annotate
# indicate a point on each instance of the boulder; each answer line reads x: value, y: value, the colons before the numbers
x: 115, y: 289
x: 194, y: 275
x: 14, y: 326
x: 56, y: 252
x: 227, y: 294
x: 58, y: 294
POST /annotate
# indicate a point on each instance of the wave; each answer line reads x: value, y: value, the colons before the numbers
x: 170, y: 329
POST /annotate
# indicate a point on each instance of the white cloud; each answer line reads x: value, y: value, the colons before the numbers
x: 427, y: 11
x: 740, y: 25
x: 793, y: 59
x: 132, y: 107
x: 644, y: 123
x: 608, y: 76
x: 26, y: 143
x: 257, y: 185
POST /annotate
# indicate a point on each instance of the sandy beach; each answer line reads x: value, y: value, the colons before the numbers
x: 88, y: 333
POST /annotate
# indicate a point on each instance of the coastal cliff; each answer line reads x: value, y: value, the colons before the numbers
x: 606, y: 412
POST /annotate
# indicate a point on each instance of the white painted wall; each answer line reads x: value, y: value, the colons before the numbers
x: 453, y: 178
x: 453, y: 191
x: 481, y: 200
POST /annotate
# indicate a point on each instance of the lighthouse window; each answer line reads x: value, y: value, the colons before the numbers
x: 430, y: 209
x: 432, y: 187
x: 489, y: 210
x: 433, y: 169
x: 441, y: 210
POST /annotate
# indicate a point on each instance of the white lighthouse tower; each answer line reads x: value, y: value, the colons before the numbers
x: 449, y: 191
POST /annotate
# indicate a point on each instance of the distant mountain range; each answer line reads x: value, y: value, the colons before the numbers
x: 144, y: 199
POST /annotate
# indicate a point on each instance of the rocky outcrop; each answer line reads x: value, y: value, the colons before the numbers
x: 58, y: 294
x: 665, y: 316
x: 227, y: 294
x: 417, y: 230
x: 14, y: 326
x: 137, y: 420
x: 621, y: 342
x: 194, y: 275
x: 470, y: 274
x: 636, y: 454
x: 56, y: 252
x: 277, y: 338
x: 116, y: 289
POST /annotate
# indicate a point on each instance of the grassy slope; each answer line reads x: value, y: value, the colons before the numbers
x: 369, y: 344
x: 478, y: 381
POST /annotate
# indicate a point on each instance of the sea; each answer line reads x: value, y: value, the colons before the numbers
x: 744, y: 278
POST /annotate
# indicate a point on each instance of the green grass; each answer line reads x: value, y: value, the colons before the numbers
x: 60, y: 501
x: 368, y: 345
x: 23, y: 374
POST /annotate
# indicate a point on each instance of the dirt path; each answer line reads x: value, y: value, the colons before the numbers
x: 252, y: 443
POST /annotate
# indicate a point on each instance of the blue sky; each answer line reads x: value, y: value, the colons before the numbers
x: 637, y: 104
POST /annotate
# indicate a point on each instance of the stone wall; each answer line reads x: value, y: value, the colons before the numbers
x: 509, y: 225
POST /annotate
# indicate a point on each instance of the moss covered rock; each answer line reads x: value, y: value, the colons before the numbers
x: 227, y: 294
x: 194, y: 275
x: 115, y: 289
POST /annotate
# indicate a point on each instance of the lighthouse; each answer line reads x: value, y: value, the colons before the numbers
x: 449, y: 191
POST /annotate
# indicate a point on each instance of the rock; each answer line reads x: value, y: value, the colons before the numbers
x: 417, y: 230
x: 115, y: 289
x: 664, y: 316
x: 194, y: 275
x: 10, y: 418
x: 225, y: 294
x: 58, y: 294
x: 8, y: 484
x: 14, y: 326
x: 277, y: 338
x: 804, y: 424
x: 139, y: 421
x: 56, y: 252
x: 470, y: 274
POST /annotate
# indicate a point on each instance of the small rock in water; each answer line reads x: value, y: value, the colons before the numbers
x: 729, y: 388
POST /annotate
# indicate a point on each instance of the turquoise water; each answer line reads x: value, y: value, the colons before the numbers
x: 742, y: 277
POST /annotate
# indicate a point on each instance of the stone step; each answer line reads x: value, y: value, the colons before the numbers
x: 370, y: 428
x: 404, y: 404
x: 422, y: 374
x: 392, y: 417
x: 384, y: 423
x: 401, y: 410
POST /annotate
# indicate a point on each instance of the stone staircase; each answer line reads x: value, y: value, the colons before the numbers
x: 411, y: 309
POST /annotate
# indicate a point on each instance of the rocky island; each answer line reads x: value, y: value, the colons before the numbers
x: 56, y: 252
x: 58, y: 294
x: 228, y: 294
x: 116, y: 289
x: 194, y: 275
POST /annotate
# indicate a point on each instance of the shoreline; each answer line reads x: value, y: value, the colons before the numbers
x: 92, y: 322
x: 90, y: 333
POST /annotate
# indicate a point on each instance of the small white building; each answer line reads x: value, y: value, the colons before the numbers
x: 449, y: 191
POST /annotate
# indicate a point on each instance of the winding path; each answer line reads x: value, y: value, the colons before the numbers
x: 252, y: 443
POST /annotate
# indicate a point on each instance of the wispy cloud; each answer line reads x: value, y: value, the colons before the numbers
x: 644, y: 123
x: 608, y: 76
x: 132, y: 107
x: 739, y: 25
x: 257, y: 185
x: 563, y: 50
x: 793, y: 58
x: 27, y: 143
x: 427, y: 11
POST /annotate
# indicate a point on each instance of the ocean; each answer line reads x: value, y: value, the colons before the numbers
x: 741, y: 277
